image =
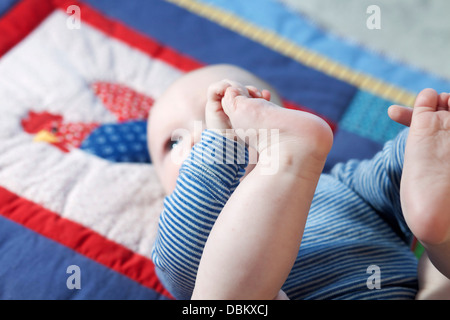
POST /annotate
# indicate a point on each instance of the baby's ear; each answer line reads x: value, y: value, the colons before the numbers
x: 401, y: 114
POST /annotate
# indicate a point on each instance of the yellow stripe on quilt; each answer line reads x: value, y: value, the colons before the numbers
x: 305, y: 56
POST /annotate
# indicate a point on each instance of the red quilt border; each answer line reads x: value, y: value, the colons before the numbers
x: 81, y: 239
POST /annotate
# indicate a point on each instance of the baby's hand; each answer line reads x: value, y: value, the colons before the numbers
x: 216, y: 118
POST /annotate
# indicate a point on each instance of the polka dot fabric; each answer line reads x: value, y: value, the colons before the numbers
x: 123, y: 101
x: 121, y: 142
x: 73, y: 134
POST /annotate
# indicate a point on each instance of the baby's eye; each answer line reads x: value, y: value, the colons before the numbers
x: 173, y: 142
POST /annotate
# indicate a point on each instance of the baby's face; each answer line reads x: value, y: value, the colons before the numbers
x: 180, y: 109
x: 178, y: 118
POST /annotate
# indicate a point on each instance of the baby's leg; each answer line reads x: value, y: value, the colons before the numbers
x: 426, y: 176
x: 256, y: 238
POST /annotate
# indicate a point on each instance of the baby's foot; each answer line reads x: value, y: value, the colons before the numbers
x: 426, y: 173
x: 215, y: 117
x: 294, y: 138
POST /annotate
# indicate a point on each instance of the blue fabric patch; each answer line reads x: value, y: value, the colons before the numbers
x: 367, y: 116
x: 348, y: 145
x: 119, y: 142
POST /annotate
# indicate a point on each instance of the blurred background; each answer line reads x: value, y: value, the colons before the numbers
x: 415, y: 32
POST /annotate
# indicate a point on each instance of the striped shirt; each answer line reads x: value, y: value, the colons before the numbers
x: 356, y: 244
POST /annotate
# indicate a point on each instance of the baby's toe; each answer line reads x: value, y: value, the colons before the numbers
x: 444, y: 101
x: 427, y: 100
x: 232, y: 97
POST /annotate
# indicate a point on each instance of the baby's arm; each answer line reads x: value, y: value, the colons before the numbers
x: 254, y: 243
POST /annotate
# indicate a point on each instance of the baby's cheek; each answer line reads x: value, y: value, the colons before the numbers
x: 172, y: 163
x: 248, y: 169
x: 169, y: 176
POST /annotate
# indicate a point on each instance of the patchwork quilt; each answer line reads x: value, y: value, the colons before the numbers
x: 79, y: 198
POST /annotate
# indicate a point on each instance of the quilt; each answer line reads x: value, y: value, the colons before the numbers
x: 79, y: 198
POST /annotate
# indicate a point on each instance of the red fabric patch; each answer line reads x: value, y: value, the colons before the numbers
x: 68, y: 135
x: 122, y: 101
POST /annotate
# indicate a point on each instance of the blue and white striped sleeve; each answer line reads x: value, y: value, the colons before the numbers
x: 377, y: 181
x: 206, y: 180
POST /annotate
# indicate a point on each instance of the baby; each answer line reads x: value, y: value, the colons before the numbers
x: 313, y: 235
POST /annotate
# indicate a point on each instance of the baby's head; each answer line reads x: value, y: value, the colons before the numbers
x: 182, y: 108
